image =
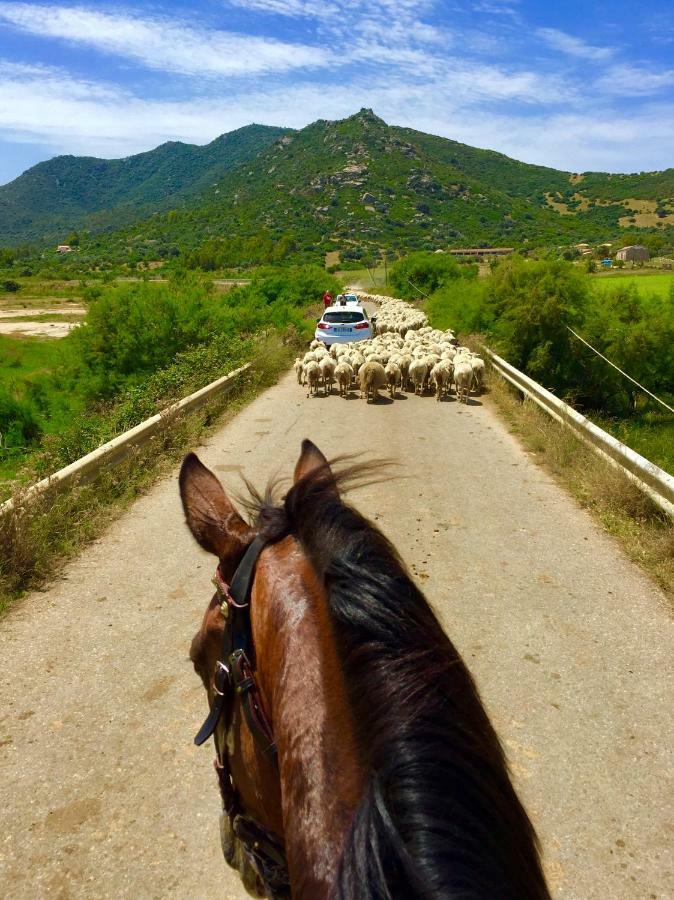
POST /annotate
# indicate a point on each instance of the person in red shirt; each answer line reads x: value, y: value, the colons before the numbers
x: 327, y: 299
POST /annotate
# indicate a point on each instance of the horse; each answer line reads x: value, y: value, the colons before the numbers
x: 355, y: 758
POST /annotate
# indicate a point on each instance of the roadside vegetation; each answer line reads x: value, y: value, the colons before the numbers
x: 525, y: 310
x: 55, y: 526
x: 142, y: 347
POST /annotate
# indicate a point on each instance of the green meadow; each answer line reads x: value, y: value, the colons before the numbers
x: 656, y: 283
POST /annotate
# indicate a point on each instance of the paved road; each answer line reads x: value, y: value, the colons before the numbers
x: 102, y: 792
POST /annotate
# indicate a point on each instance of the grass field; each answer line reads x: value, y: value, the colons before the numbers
x: 21, y: 358
x: 650, y: 433
x: 27, y: 368
x: 646, y: 282
x: 365, y: 279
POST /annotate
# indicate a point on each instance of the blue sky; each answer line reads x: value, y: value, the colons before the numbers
x: 573, y: 85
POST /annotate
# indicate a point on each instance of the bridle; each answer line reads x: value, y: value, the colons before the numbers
x: 235, y: 675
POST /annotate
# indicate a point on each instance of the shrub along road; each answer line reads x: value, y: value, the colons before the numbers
x: 103, y: 793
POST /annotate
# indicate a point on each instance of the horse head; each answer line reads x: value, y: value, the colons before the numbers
x: 282, y: 702
x: 355, y: 758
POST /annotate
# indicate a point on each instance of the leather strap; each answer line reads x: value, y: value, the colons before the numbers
x: 236, y: 635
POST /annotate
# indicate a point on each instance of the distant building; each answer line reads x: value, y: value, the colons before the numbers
x: 633, y: 253
x: 64, y: 248
x: 482, y: 251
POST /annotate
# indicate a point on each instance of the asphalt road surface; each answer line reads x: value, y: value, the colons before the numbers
x: 103, y: 793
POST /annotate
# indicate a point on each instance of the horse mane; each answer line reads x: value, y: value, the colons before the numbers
x: 439, y: 817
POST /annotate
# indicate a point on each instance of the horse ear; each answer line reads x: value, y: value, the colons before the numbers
x: 210, y: 515
x: 311, y: 460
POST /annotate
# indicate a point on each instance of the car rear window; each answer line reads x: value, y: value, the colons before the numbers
x: 344, y: 317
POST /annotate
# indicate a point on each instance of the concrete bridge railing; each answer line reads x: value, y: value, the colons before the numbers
x: 657, y: 483
x: 113, y: 452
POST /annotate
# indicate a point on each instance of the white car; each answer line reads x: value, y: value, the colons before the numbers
x: 341, y: 324
x: 347, y: 300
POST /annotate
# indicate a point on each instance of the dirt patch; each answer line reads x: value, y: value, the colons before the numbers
x: 576, y: 179
x: 640, y: 206
x: 645, y: 220
x: 584, y: 202
x: 68, y: 818
x: 558, y: 205
x: 37, y: 329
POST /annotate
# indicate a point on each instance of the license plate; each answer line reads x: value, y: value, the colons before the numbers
x: 342, y: 331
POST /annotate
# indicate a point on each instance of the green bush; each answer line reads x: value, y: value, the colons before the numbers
x: 460, y: 306
x: 19, y: 427
x: 132, y: 330
x: 423, y: 271
x: 525, y: 310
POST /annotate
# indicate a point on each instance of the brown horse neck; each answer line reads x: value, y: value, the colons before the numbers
x: 301, y: 679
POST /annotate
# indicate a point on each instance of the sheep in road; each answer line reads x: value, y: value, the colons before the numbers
x: 313, y: 376
x: 299, y: 370
x: 372, y: 377
x: 418, y: 373
x: 441, y: 378
x: 327, y: 369
x: 405, y: 363
x: 463, y: 378
x: 478, y: 373
x: 344, y: 376
x: 393, y: 377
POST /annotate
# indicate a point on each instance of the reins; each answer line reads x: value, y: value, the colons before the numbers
x: 235, y: 676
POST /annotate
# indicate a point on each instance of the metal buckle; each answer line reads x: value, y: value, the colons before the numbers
x: 219, y: 667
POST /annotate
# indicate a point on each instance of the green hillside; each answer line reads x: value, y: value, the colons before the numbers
x: 73, y: 192
x: 355, y: 185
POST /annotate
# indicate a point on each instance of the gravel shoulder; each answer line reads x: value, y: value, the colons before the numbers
x: 103, y: 793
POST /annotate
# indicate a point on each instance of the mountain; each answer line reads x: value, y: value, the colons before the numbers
x: 353, y: 185
x: 81, y: 192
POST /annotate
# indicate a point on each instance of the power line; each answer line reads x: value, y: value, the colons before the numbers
x: 417, y: 289
x: 617, y: 368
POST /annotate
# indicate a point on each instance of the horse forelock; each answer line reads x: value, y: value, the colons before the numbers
x: 439, y: 816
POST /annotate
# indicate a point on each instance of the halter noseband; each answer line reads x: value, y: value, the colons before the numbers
x: 234, y: 674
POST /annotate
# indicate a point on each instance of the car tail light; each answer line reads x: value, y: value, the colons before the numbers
x: 324, y: 326
x: 362, y: 325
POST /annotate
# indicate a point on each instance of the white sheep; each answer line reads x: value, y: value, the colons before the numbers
x: 418, y: 373
x: 478, y: 373
x: 463, y: 378
x: 441, y: 378
x: 372, y: 377
x: 344, y: 376
x: 393, y: 377
x: 312, y: 375
x: 327, y: 370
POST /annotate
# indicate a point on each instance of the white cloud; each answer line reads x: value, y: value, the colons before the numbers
x: 43, y: 106
x: 573, y: 46
x: 634, y: 81
x: 411, y: 72
x: 498, y: 8
x: 296, y: 9
x: 161, y: 43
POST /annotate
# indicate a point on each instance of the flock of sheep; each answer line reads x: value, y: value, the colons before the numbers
x: 405, y: 354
